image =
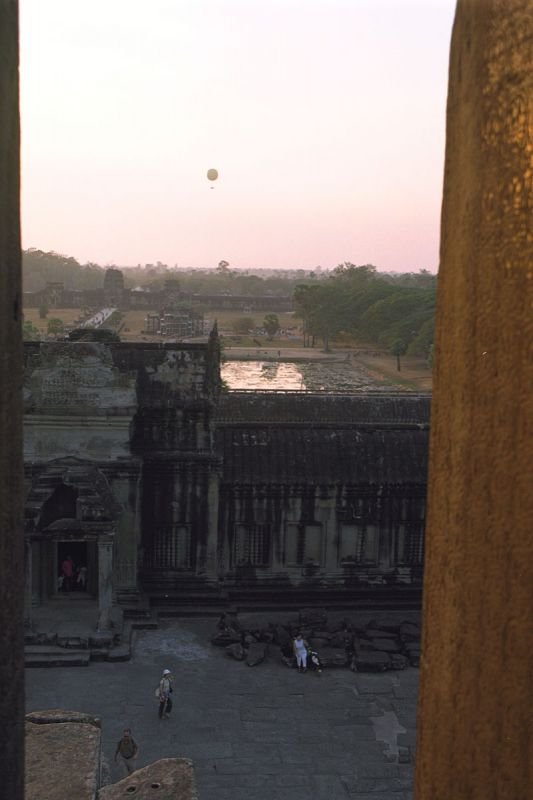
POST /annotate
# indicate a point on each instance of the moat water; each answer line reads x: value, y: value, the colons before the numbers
x: 342, y: 376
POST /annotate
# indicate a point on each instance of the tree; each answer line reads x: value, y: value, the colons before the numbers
x: 43, y: 310
x: 398, y: 349
x: 243, y: 325
x: 271, y: 325
x: 29, y: 332
x: 55, y: 326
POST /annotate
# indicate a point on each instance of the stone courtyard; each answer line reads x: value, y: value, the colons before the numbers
x: 254, y: 733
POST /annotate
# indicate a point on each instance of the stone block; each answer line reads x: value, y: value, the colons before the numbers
x: 166, y: 779
x: 409, y: 632
x: 223, y: 638
x: 378, y: 633
x: 371, y: 662
x: 103, y: 639
x: 322, y: 634
x: 236, y: 651
x: 120, y: 653
x: 57, y: 742
x: 281, y: 636
x: 333, y: 657
x: 318, y: 644
x: 341, y: 639
x: 388, y: 624
x: 399, y: 661
x: 257, y: 653
x: 386, y: 645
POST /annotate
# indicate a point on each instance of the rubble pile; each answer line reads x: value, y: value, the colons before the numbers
x: 342, y: 639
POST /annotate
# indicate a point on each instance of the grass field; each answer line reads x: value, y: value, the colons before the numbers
x: 66, y: 315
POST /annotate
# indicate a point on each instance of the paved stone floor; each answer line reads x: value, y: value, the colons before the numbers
x: 254, y: 733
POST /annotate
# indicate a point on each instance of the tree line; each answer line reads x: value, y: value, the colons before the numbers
x: 397, y: 314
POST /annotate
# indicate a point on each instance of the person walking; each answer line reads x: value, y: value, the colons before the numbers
x: 300, y: 647
x: 165, y: 690
x: 127, y: 752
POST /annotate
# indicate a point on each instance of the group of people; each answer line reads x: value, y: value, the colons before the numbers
x: 72, y: 577
x: 127, y: 748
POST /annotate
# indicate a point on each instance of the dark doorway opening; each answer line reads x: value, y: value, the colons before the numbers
x: 74, y: 577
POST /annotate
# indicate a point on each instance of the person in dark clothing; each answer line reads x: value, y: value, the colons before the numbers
x: 126, y: 752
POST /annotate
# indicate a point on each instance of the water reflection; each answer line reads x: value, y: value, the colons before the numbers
x: 262, y: 375
x: 313, y: 376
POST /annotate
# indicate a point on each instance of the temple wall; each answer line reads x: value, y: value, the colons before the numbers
x: 336, y: 534
x: 237, y: 490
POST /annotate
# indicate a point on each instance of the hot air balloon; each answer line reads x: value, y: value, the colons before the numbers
x: 212, y: 174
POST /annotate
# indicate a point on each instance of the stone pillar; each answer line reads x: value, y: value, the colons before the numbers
x: 211, y: 566
x: 105, y: 580
x: 474, y: 737
x: 11, y: 476
x: 28, y: 584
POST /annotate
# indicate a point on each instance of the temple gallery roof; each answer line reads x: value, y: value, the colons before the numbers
x: 330, y: 455
x: 400, y: 409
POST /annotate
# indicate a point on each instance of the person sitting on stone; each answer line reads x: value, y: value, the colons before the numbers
x: 300, y: 648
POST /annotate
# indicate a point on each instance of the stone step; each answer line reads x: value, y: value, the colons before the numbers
x: 145, y: 624
x: 73, y: 642
x: 44, y: 656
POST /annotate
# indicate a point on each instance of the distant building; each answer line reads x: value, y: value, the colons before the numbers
x: 113, y: 287
x: 151, y: 322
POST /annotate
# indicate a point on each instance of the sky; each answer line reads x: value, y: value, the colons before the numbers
x: 324, y: 118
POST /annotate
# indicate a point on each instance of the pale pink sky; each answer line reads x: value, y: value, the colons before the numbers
x: 325, y: 119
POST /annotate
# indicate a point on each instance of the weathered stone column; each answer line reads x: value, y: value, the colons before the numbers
x: 211, y: 567
x: 105, y: 577
x: 474, y: 737
x: 11, y: 477
x: 28, y: 584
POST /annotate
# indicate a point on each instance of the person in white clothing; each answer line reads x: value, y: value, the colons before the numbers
x: 300, y: 647
x: 165, y: 690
